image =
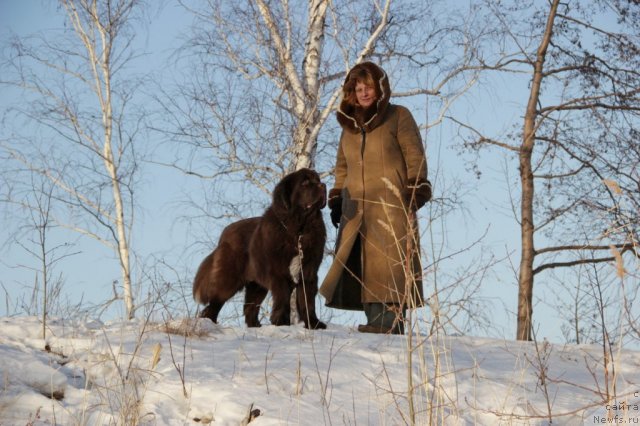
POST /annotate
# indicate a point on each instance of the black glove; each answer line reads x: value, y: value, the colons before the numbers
x: 335, y: 204
x: 417, y: 192
x: 336, y: 214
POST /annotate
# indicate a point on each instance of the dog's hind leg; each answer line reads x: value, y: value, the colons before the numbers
x: 211, y: 311
x: 253, y: 298
x: 217, y: 280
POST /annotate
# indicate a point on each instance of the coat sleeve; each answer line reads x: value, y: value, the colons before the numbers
x: 341, y: 167
x: 411, y: 146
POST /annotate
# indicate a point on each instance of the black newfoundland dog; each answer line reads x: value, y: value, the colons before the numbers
x: 279, y: 251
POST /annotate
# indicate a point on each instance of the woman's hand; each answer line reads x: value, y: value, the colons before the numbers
x: 335, y: 204
x: 417, y: 193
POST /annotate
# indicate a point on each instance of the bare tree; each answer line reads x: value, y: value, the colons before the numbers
x: 593, y: 308
x: 266, y: 77
x: 37, y: 203
x: 578, y: 137
x: 77, y: 95
x: 40, y: 221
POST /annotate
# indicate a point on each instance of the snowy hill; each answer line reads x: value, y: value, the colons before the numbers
x: 149, y: 373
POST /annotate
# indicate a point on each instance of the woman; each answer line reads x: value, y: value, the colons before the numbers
x: 380, y: 180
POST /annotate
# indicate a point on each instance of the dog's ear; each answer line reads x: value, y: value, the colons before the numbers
x: 282, y: 194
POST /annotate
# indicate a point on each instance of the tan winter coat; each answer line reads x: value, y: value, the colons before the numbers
x: 376, y: 162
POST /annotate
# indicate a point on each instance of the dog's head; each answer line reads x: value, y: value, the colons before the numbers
x: 301, y: 190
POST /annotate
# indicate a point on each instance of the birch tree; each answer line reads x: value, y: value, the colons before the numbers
x: 265, y: 77
x: 77, y: 97
x: 577, y: 153
x: 263, y: 82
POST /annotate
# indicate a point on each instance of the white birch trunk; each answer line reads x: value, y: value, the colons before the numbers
x: 306, y: 136
x: 86, y: 26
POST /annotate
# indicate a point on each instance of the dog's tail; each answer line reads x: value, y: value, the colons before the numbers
x: 202, y: 283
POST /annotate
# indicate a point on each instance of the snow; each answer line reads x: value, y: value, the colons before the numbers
x: 150, y: 373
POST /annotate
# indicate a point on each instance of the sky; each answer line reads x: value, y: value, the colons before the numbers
x: 93, y: 269
x: 162, y: 235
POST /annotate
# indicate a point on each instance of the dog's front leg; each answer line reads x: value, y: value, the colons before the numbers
x: 281, y: 310
x: 305, y: 301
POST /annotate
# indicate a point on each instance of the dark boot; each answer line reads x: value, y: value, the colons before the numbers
x: 383, y: 319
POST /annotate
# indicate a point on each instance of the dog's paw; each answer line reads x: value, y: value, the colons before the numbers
x: 281, y: 321
x: 319, y: 325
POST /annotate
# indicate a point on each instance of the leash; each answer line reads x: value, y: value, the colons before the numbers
x: 304, y: 287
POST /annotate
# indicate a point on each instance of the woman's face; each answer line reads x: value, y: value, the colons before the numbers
x: 365, y: 95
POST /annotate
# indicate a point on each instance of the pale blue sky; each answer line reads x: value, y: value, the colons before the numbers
x: 161, y: 235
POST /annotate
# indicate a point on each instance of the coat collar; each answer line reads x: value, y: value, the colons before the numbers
x: 356, y: 119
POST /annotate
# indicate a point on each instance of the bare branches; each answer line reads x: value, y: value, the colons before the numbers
x: 576, y: 135
x: 259, y: 103
x: 483, y: 140
x: 623, y: 247
x: 88, y: 154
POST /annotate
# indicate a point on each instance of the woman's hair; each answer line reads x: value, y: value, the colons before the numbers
x: 358, y: 75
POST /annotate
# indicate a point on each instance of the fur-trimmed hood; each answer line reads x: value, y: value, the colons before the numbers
x: 354, y: 118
